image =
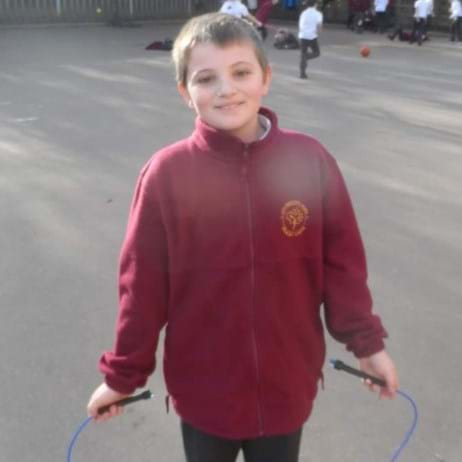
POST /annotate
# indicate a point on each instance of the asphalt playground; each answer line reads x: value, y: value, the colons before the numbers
x: 82, y: 108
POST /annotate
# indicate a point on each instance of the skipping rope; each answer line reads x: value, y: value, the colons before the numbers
x: 341, y: 366
x: 123, y: 402
x: 336, y: 364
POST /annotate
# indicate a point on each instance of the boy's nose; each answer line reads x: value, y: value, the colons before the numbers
x: 225, y: 87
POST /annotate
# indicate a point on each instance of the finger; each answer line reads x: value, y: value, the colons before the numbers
x: 106, y: 415
x: 385, y: 393
x: 103, y: 417
x: 375, y: 388
x: 390, y: 391
x: 371, y: 386
x: 115, y: 410
x: 392, y: 386
x: 368, y: 383
x: 92, y: 411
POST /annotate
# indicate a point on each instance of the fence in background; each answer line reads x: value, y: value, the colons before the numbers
x: 68, y: 11
x: 55, y: 11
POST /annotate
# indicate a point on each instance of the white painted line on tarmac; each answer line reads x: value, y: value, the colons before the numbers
x: 22, y: 120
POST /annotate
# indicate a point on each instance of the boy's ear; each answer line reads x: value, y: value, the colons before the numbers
x: 267, y: 77
x: 183, y: 91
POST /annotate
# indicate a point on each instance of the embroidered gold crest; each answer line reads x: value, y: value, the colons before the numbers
x: 294, y: 216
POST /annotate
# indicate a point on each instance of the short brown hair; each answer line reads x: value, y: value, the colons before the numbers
x: 221, y: 29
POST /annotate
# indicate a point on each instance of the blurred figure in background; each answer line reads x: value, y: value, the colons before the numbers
x: 263, y: 13
x: 455, y: 17
x: 309, y: 25
x: 252, y: 6
x: 380, y: 9
x: 428, y: 22
x: 238, y: 9
x: 420, y: 19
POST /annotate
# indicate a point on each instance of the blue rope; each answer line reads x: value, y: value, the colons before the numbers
x: 74, y: 438
x: 394, y: 457
x: 411, y: 430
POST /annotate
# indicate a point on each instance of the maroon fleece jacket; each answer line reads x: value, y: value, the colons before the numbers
x: 235, y: 248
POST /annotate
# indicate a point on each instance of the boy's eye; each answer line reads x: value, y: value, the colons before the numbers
x: 205, y: 79
x: 242, y: 73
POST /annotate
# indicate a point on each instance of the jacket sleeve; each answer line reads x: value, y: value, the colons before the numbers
x: 143, y: 292
x: 347, y: 300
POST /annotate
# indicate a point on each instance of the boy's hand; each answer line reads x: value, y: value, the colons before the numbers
x: 103, y: 396
x: 381, y: 365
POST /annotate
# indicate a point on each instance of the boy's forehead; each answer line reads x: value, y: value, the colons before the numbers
x: 209, y: 53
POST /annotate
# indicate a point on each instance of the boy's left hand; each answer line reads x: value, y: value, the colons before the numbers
x: 381, y: 365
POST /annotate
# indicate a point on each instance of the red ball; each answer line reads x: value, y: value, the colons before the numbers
x: 365, y: 51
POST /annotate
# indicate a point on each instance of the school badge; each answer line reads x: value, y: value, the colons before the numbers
x: 294, y: 216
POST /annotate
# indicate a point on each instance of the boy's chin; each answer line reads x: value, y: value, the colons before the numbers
x: 229, y: 122
x: 224, y: 125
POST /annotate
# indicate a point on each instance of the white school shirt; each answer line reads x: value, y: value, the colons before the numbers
x: 429, y: 7
x: 420, y: 7
x: 265, y: 124
x: 380, y: 6
x: 234, y: 8
x: 455, y: 10
x: 308, y: 24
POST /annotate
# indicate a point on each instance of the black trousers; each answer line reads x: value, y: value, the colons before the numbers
x: 456, y: 29
x: 202, y: 447
x: 306, y: 55
x: 380, y: 22
x: 418, y: 30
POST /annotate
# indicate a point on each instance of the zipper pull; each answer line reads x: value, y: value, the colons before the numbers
x: 244, y: 168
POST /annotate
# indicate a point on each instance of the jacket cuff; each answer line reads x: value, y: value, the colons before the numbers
x: 371, y: 348
x: 119, y: 387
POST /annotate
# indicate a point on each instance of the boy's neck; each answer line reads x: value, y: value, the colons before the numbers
x: 259, y: 131
x: 209, y: 137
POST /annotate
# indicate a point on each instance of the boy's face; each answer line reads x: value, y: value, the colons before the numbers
x: 225, y: 87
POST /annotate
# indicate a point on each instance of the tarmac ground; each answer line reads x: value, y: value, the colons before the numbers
x: 82, y: 109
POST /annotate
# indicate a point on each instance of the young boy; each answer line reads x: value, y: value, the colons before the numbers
x: 252, y: 5
x: 236, y: 237
x: 455, y: 18
x: 309, y: 25
x: 380, y: 10
x: 263, y: 14
x: 420, y: 19
x: 238, y: 9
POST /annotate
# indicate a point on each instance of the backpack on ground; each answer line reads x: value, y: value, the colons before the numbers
x: 285, y: 40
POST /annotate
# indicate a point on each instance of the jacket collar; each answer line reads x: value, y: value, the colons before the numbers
x: 220, y: 143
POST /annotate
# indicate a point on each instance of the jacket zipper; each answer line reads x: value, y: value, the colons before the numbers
x: 252, y: 282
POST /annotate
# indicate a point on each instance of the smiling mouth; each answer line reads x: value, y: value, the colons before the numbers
x: 229, y: 107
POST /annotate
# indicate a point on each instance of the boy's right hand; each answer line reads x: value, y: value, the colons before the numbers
x: 103, y: 396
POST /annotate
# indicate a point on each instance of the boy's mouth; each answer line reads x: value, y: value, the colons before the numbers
x: 229, y: 106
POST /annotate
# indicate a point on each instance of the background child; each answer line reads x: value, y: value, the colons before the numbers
x: 252, y: 5
x: 455, y: 18
x: 420, y: 19
x: 238, y: 9
x: 237, y: 236
x: 263, y: 14
x: 380, y: 10
x: 309, y: 25
x: 429, y: 19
